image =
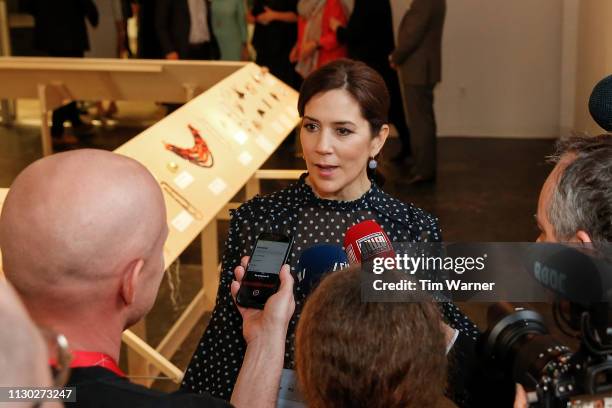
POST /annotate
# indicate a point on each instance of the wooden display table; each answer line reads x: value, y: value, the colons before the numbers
x: 56, y: 81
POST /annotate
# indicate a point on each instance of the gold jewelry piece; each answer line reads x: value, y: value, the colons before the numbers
x: 182, y: 201
x: 172, y: 166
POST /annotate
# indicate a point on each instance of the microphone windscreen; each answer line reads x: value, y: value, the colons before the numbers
x: 568, y: 272
x: 318, y: 260
x: 600, y: 103
x: 366, y: 241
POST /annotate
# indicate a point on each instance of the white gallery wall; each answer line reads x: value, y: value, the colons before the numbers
x: 502, y: 68
x: 593, y: 57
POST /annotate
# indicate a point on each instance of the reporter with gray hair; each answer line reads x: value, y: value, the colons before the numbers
x: 575, y: 203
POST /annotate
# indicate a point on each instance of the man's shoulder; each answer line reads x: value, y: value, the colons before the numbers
x: 101, y: 387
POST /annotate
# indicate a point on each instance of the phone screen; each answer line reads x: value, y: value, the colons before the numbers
x: 261, y: 279
x: 268, y: 257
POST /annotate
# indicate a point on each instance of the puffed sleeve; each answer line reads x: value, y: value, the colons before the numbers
x: 217, y: 360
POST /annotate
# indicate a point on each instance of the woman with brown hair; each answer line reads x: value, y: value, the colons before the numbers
x: 344, y: 107
x: 375, y: 355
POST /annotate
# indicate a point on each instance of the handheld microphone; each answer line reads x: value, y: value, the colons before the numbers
x: 570, y: 273
x: 317, y: 261
x: 366, y: 241
x: 600, y: 103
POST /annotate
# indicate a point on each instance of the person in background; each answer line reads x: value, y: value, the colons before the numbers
x: 148, y: 40
x: 368, y: 36
x: 108, y: 40
x: 274, y: 35
x: 375, y: 355
x: 229, y: 25
x: 60, y: 31
x: 185, y: 30
x: 317, y: 43
x: 418, y: 60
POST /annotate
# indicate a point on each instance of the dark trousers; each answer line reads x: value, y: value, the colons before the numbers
x: 419, y: 107
x: 396, y: 109
x: 198, y: 52
x: 68, y: 112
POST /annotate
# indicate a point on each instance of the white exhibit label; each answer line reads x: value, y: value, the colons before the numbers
x: 217, y: 186
x: 182, y: 221
x: 183, y: 180
x: 245, y: 158
x: 270, y: 80
x: 264, y: 143
x: 240, y: 137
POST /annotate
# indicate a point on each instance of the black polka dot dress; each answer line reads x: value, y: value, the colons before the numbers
x: 296, y: 211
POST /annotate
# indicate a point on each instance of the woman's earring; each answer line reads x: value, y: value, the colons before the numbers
x: 372, y: 164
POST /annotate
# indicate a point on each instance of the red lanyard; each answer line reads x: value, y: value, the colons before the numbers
x: 92, y: 359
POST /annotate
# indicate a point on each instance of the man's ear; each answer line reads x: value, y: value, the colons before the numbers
x: 129, y: 283
x: 583, y: 236
x: 379, y: 141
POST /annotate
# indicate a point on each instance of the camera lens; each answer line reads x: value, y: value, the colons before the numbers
x: 517, y: 342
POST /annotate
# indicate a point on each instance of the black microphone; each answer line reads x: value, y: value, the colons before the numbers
x: 317, y: 261
x: 600, y: 103
x: 575, y: 275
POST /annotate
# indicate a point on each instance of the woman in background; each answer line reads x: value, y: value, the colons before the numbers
x: 229, y: 26
x: 274, y: 35
x: 317, y: 44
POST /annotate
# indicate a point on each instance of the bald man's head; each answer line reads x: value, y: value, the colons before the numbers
x: 74, y: 222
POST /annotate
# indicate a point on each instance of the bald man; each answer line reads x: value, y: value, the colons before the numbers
x: 82, y: 235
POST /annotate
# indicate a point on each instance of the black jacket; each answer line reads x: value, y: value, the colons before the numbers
x: 101, y: 388
x: 369, y: 33
x: 60, y: 25
x: 173, y: 23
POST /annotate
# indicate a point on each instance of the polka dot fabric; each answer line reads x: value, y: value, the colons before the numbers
x: 296, y: 211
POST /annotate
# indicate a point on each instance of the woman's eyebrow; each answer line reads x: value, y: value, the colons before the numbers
x: 336, y: 123
x: 344, y: 122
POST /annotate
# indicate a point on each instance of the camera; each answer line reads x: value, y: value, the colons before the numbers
x: 518, y: 347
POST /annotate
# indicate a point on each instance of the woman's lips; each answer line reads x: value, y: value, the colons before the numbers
x: 326, y: 170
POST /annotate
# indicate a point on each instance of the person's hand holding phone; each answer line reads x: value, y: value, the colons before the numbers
x: 275, y: 316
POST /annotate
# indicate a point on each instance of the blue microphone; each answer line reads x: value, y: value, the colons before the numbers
x: 318, y: 260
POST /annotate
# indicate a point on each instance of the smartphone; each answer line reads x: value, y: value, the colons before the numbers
x: 261, y: 279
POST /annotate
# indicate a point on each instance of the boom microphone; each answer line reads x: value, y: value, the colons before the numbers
x: 571, y: 273
x: 600, y: 103
x: 317, y: 261
x: 366, y: 241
